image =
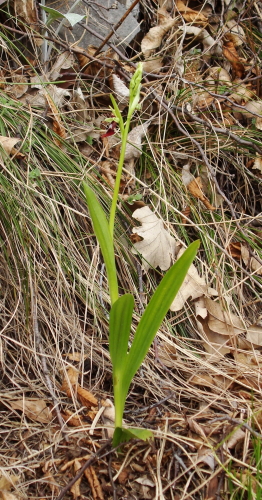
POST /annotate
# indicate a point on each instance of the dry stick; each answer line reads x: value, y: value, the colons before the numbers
x: 115, y: 27
x: 87, y: 464
x: 40, y: 349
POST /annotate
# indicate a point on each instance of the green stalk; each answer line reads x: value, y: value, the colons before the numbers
x: 118, y: 177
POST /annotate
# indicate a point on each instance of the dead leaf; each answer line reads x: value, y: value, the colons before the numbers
x: 157, y: 246
x: 190, y: 15
x: 250, y: 261
x: 5, y: 495
x: 195, y: 188
x: 8, y: 144
x: 258, y: 163
x: 8, y: 481
x: 235, y: 249
x: 70, y: 380
x: 86, y: 398
x: 35, y: 409
x: 154, y: 37
x: 254, y: 334
x: 193, y: 286
x: 75, y: 489
x: 65, y: 60
x: 238, y: 36
x: 209, y: 43
x: 26, y: 9
x: 236, y: 436
x: 232, y: 56
x: 90, y: 474
x: 19, y: 86
x: 119, y: 87
x: 205, y: 455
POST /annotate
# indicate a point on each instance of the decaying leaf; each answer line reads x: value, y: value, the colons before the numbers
x: 206, y: 455
x: 157, y: 246
x: 237, y: 436
x: 217, y: 326
x: 154, y: 37
x: 8, y: 144
x: 8, y: 481
x: 254, y: 107
x: 6, y: 495
x: 250, y: 261
x: 193, y: 286
x: 75, y: 489
x: 35, y: 409
x: 209, y: 43
x: 97, y: 492
x: 19, y: 85
x: 190, y: 15
x: 258, y: 163
x: 238, y: 36
x: 121, y: 90
x: 254, y: 334
x: 195, y: 188
x: 232, y: 56
x: 64, y: 61
x: 70, y: 386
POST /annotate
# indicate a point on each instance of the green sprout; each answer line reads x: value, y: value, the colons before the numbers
x: 126, y: 361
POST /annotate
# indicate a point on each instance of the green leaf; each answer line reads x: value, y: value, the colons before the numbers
x: 157, y: 309
x: 119, y: 329
x: 124, y: 435
x: 101, y: 229
x: 54, y: 14
x: 73, y: 18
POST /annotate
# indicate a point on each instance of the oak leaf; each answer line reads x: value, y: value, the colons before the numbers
x: 157, y: 246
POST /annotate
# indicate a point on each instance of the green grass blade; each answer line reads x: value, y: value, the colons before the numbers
x: 157, y: 309
x: 101, y: 229
x: 119, y: 329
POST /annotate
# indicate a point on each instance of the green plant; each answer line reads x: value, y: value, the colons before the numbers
x: 127, y: 361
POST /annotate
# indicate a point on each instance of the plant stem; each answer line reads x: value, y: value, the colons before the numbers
x: 118, y: 177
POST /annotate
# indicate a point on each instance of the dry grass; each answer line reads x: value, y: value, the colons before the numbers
x: 54, y: 302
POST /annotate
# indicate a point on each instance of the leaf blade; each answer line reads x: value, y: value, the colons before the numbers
x: 157, y: 309
x: 119, y: 329
x: 101, y: 229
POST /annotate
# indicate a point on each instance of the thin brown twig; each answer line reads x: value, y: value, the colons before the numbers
x: 115, y: 27
x: 98, y: 455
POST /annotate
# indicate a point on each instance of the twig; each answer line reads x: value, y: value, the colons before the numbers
x: 40, y: 349
x: 96, y: 456
x: 237, y: 422
x: 115, y: 27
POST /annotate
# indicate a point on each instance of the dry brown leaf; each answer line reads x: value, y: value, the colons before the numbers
x: 86, y: 398
x: 35, y: 409
x: 119, y: 88
x: 258, y: 163
x: 8, y: 144
x: 237, y: 436
x: 193, y: 286
x: 209, y: 43
x: 157, y: 246
x: 195, y: 188
x: 237, y: 33
x: 190, y: 15
x: 205, y: 455
x: 19, y: 86
x: 75, y: 489
x: 250, y: 261
x: 220, y: 76
x: 90, y: 474
x: 221, y: 321
x: 8, y: 481
x: 6, y: 495
x: 26, y: 9
x: 154, y: 37
x: 241, y: 93
x: 232, y: 56
x: 254, y: 334
x: 70, y: 381
x: 89, y: 66
x: 153, y: 65
x: 235, y: 249
x: 65, y: 60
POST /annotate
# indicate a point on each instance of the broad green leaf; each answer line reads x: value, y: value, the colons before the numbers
x: 157, y: 309
x: 124, y: 435
x: 119, y: 329
x: 101, y: 229
x: 74, y: 18
x: 54, y: 14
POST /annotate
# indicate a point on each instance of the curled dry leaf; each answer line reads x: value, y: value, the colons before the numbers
x: 254, y: 334
x: 157, y: 246
x: 254, y: 107
x: 75, y: 489
x: 193, y: 286
x: 35, y: 409
x: 6, y: 495
x: 241, y: 93
x: 205, y: 454
x: 235, y: 437
x: 195, y: 187
x: 232, y: 56
x: 97, y: 492
x: 238, y: 36
x: 64, y: 61
x: 119, y: 87
x: 190, y: 15
x: 258, y: 163
x: 220, y: 75
x: 19, y: 86
x: 250, y: 261
x: 217, y: 326
x: 154, y: 37
x: 8, y: 481
x: 8, y: 144
x: 153, y: 65
x: 209, y: 44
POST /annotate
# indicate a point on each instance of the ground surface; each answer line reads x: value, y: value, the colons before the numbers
x: 193, y: 170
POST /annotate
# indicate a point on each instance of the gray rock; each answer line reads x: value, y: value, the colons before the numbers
x: 102, y: 15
